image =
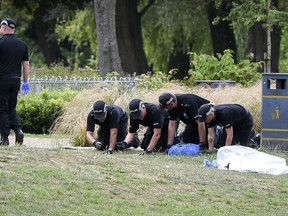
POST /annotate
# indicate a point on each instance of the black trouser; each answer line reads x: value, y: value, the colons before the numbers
x: 190, y: 134
x: 241, y: 134
x: 103, y: 134
x: 162, y: 142
x: 9, y: 88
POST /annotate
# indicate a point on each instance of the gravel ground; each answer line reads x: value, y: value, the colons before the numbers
x: 50, y: 143
x: 32, y: 142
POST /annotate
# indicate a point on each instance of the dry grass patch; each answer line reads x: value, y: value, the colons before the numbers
x: 73, y: 119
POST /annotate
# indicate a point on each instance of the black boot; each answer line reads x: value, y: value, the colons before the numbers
x: 4, y: 141
x: 19, y: 136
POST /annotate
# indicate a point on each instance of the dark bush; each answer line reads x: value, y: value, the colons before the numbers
x: 37, y: 111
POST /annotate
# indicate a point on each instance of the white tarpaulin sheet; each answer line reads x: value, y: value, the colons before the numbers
x: 245, y: 159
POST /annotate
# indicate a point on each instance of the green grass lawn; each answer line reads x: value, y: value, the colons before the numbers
x: 86, y: 182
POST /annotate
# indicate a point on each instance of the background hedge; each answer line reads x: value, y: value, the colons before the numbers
x: 37, y: 111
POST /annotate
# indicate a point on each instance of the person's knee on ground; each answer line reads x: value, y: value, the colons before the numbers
x: 255, y: 141
x: 135, y: 143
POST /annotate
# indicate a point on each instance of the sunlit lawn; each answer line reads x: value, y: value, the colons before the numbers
x: 86, y: 182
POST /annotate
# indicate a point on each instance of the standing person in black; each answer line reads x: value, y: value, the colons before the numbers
x: 185, y: 107
x: 13, y: 61
x: 156, y: 121
x: 236, y: 121
x: 113, y: 123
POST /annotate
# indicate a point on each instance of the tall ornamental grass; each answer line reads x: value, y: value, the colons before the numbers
x: 73, y: 119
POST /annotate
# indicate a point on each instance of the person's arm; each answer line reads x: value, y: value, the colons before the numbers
x: 90, y: 137
x: 113, y: 138
x: 155, y: 138
x: 171, y: 131
x: 229, y: 138
x: 211, y: 138
x: 201, y: 132
x: 26, y: 70
x: 130, y: 137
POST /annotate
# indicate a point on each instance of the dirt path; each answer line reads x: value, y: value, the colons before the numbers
x: 50, y: 143
x: 33, y: 142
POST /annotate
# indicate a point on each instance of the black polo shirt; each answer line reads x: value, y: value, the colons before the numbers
x: 187, y: 110
x: 228, y: 115
x: 155, y: 118
x: 12, y: 52
x: 113, y: 118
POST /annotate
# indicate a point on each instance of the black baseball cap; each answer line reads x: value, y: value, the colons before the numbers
x: 204, y: 111
x: 9, y: 22
x: 99, y: 109
x: 165, y: 99
x: 135, y: 107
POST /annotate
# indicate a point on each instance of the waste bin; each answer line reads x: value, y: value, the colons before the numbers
x: 274, y: 132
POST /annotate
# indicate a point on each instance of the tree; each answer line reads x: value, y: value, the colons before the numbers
x: 43, y: 28
x: 76, y: 31
x: 263, y: 32
x: 221, y: 33
x: 171, y: 29
x: 258, y: 37
x: 253, y: 15
x: 44, y: 16
x: 120, y: 45
x: 108, y: 54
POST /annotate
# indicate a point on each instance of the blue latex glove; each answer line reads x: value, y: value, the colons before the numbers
x: 25, y: 87
x: 208, y: 163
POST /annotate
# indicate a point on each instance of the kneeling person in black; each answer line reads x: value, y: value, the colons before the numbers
x: 148, y: 114
x: 236, y: 121
x: 113, y: 123
x: 185, y: 107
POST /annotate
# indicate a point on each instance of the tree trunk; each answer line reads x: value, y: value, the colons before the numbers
x: 49, y: 47
x: 129, y: 37
x: 275, y: 49
x: 108, y: 55
x: 222, y: 34
x: 120, y: 43
x: 181, y: 61
x: 257, y: 44
x: 268, y: 41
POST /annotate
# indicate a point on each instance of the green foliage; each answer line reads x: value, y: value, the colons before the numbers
x: 38, y: 111
x: 58, y: 70
x: 174, y: 26
x: 245, y: 13
x: 153, y: 81
x: 112, y: 74
x: 80, y: 138
x: 222, y: 67
x: 283, y: 64
x: 78, y: 27
x: 23, y: 17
